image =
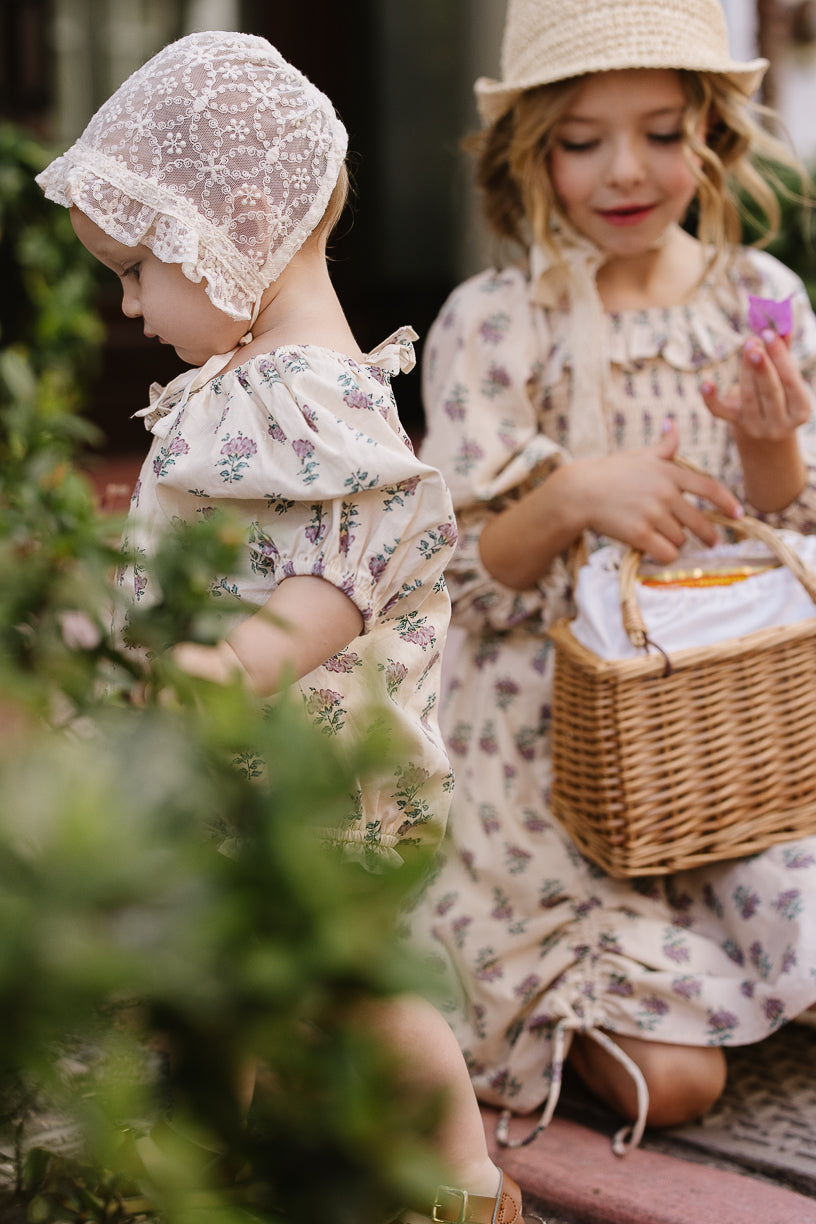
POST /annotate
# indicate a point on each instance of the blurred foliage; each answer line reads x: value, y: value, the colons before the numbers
x: 795, y: 244
x: 169, y: 915
x: 49, y: 329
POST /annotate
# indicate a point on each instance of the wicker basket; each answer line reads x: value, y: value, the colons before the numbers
x: 664, y: 763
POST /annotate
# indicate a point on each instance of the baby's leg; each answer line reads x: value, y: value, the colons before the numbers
x: 683, y: 1081
x: 429, y: 1061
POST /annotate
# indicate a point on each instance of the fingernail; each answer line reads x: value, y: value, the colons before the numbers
x: 753, y: 354
x: 739, y: 511
x: 667, y: 424
x: 706, y: 387
x: 768, y: 334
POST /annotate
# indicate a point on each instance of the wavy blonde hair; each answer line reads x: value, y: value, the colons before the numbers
x: 736, y: 161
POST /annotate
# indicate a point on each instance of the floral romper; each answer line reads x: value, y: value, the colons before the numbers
x: 539, y: 942
x: 306, y: 445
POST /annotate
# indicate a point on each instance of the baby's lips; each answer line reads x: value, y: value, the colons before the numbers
x: 767, y: 314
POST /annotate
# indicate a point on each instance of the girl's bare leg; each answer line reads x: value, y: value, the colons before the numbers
x: 683, y: 1081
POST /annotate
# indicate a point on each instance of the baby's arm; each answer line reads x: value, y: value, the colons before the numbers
x: 637, y: 497
x: 764, y: 410
x: 304, y: 622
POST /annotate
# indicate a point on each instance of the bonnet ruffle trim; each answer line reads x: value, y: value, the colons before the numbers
x: 135, y: 211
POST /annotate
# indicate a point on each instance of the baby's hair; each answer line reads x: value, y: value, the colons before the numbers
x: 334, y: 209
x: 518, y: 199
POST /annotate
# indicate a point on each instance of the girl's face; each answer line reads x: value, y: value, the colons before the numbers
x: 618, y: 163
x: 173, y: 309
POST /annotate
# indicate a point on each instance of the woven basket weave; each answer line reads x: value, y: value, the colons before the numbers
x: 662, y: 763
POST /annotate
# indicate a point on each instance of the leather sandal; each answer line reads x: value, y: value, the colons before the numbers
x: 452, y: 1206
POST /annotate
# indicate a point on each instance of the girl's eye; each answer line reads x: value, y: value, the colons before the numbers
x: 131, y: 271
x: 577, y: 146
x: 666, y: 137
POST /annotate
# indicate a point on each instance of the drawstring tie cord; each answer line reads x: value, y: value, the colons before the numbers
x: 247, y: 337
x: 627, y: 1137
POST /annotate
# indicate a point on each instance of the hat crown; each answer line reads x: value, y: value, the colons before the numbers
x: 584, y: 36
x: 552, y: 40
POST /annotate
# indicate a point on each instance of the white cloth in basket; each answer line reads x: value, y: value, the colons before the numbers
x: 680, y: 617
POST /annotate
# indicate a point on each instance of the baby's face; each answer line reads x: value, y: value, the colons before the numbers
x: 173, y: 309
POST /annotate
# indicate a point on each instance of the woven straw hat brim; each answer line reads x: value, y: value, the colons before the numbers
x: 547, y: 41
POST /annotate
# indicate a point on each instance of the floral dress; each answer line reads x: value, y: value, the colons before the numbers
x: 306, y: 445
x: 538, y: 941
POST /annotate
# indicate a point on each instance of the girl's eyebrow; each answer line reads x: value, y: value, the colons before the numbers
x: 657, y: 113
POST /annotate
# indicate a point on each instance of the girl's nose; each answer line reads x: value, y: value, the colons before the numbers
x: 626, y: 165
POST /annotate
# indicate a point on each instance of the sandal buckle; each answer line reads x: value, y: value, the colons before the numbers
x: 459, y: 1203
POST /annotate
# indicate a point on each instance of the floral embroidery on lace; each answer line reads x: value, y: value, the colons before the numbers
x: 217, y: 155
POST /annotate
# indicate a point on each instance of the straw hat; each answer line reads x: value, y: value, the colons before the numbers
x: 551, y: 40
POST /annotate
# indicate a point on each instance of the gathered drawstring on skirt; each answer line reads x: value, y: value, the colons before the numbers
x: 627, y: 1137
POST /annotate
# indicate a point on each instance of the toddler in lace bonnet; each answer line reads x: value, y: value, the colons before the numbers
x: 217, y: 155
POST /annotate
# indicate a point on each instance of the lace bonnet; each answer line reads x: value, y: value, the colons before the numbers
x: 217, y: 155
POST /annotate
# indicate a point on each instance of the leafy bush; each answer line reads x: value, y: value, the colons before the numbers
x: 168, y: 915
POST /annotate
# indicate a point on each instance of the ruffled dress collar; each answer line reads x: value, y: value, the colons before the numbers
x: 687, y: 336
x: 394, y: 356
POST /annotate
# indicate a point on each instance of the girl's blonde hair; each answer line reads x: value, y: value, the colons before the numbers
x: 736, y: 160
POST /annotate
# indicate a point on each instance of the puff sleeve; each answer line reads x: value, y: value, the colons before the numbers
x: 307, y: 447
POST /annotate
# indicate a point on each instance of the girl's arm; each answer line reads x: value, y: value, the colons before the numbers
x: 304, y: 622
x: 637, y: 497
x: 764, y: 411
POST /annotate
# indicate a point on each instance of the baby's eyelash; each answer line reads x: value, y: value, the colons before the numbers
x: 133, y: 270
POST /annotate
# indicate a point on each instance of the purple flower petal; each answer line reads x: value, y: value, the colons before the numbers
x: 765, y: 312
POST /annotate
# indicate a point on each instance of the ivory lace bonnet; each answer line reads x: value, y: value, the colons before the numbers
x: 217, y: 155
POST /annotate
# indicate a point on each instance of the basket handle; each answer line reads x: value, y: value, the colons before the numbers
x: 750, y: 528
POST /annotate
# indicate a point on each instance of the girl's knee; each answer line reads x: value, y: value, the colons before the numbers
x: 684, y: 1082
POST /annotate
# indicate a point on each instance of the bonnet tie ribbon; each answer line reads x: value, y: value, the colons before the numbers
x: 167, y: 405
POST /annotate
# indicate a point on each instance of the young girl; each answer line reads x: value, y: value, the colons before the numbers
x: 558, y: 389
x: 209, y: 184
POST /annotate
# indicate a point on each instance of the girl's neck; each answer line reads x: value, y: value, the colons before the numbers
x: 301, y: 307
x: 667, y: 276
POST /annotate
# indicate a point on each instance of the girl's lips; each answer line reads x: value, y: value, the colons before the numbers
x: 626, y: 215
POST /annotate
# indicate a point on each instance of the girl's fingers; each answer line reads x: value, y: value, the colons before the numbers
x: 775, y: 400
x: 795, y: 390
x: 725, y: 408
x: 709, y: 490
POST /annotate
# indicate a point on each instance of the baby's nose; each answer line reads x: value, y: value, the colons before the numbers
x: 130, y: 305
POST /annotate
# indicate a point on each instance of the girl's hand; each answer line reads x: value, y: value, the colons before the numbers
x: 764, y: 411
x: 639, y: 497
x: 771, y: 399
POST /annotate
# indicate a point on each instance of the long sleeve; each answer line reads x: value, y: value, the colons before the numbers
x: 487, y: 357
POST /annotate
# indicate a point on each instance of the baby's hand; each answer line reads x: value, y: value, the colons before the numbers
x: 771, y: 400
